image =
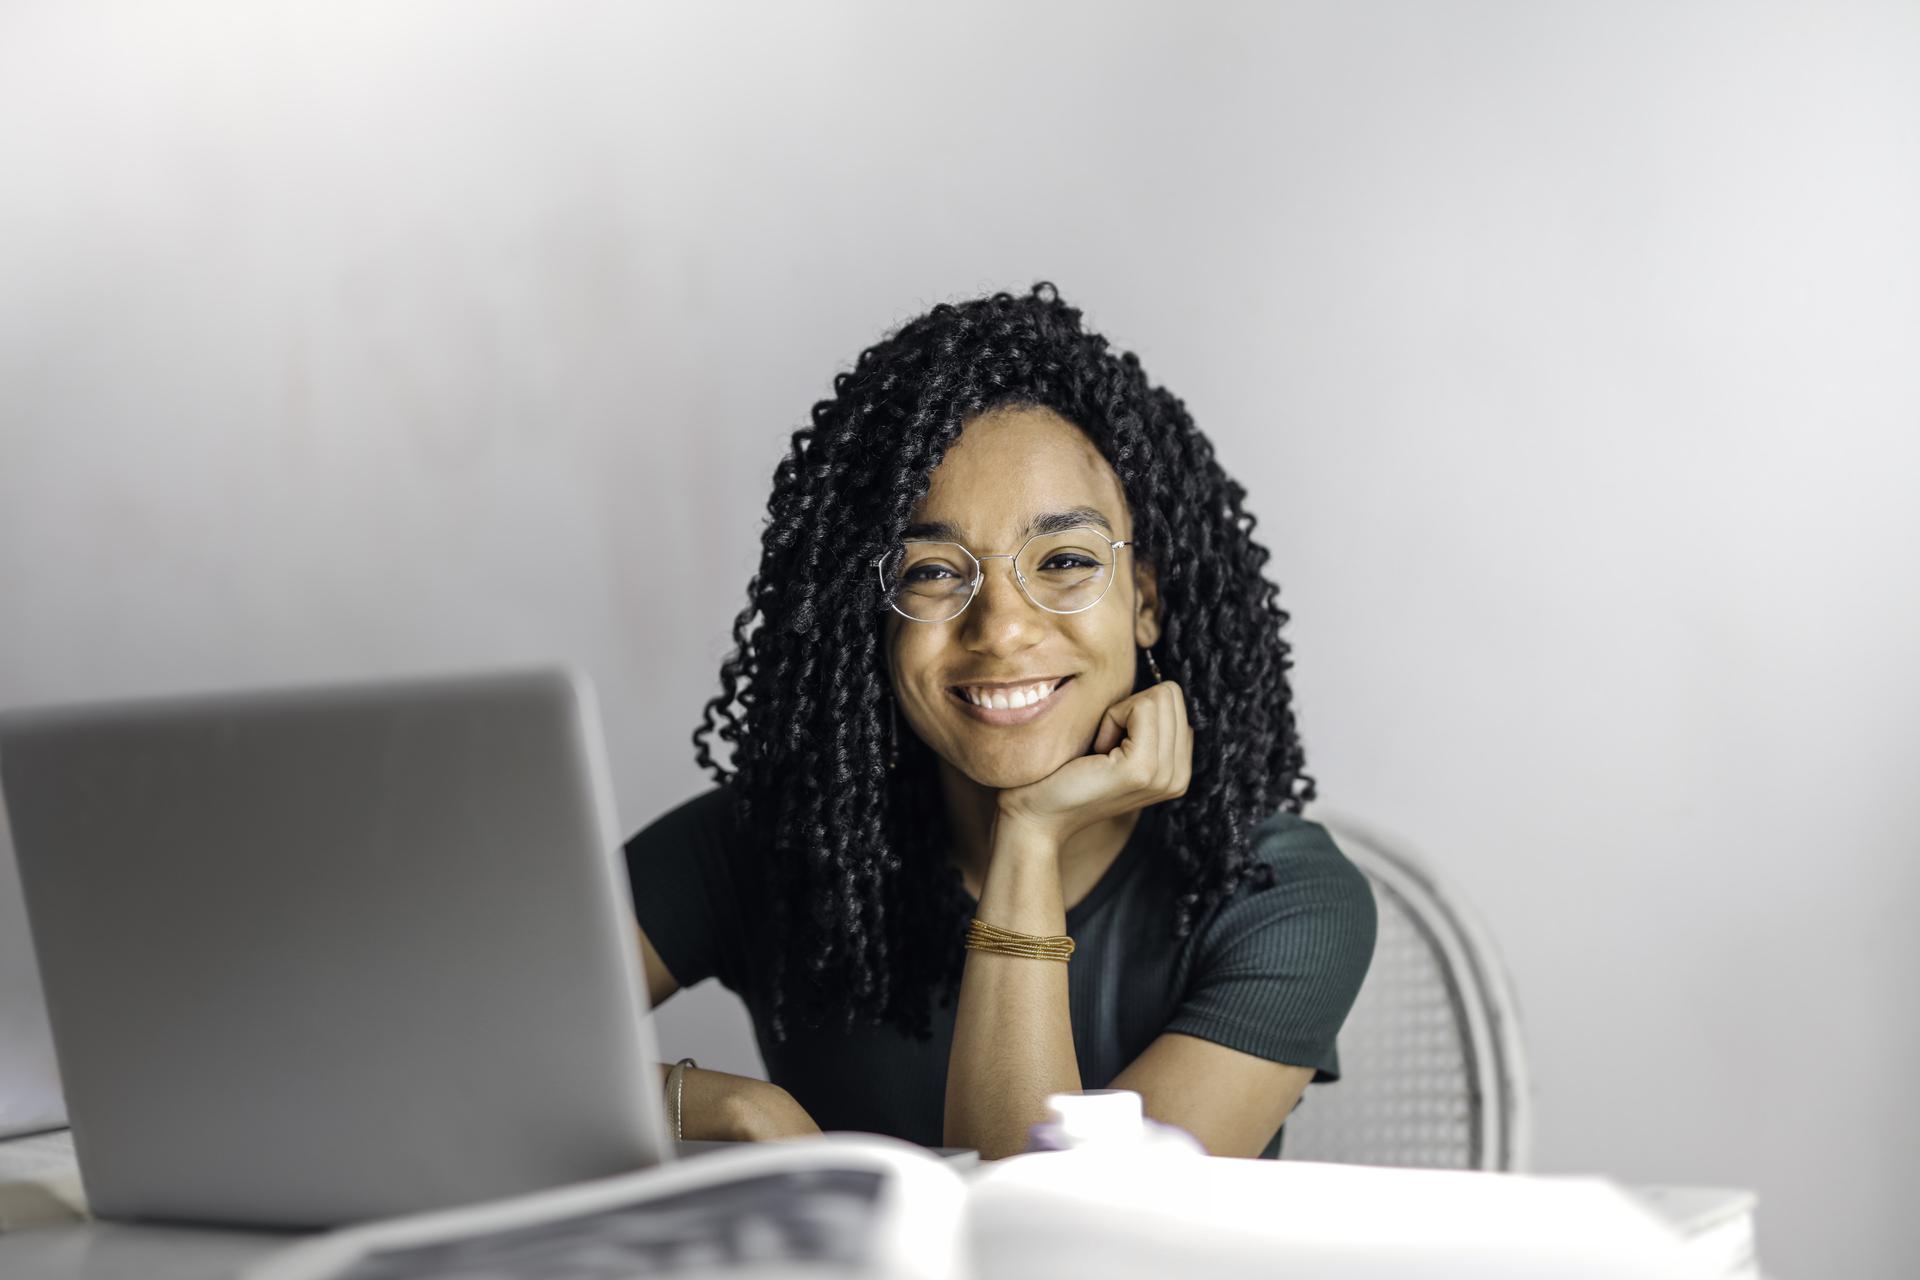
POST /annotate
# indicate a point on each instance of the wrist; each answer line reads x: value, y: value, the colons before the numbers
x: 715, y: 1105
x: 1026, y: 838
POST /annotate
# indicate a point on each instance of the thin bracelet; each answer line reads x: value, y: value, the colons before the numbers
x: 982, y: 936
x: 676, y: 1082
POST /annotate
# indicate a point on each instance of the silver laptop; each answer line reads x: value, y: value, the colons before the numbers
x: 324, y: 955
x: 29, y: 1082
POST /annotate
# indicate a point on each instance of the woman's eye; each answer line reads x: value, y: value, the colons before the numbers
x: 1064, y: 560
x: 926, y: 573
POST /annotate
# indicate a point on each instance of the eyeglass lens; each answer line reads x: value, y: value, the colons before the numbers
x: 1061, y: 572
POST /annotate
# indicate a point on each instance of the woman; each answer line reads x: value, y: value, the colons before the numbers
x: 1009, y: 658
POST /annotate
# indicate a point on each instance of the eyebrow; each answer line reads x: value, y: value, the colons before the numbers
x: 1051, y: 522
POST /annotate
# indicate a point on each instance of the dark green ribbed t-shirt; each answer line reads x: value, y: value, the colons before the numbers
x: 1270, y: 972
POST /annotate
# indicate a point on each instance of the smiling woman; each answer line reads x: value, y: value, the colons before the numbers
x: 1013, y: 805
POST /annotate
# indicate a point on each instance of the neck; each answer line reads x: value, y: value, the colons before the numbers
x: 972, y: 811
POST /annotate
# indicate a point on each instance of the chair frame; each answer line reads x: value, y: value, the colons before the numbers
x: 1483, y: 998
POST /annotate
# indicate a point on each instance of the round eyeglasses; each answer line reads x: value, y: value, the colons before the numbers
x: 1066, y: 571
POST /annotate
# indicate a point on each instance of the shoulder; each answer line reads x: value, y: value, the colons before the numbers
x: 1277, y: 966
x: 696, y: 833
x: 711, y: 810
x: 1302, y: 848
x: 1317, y: 897
x: 693, y: 897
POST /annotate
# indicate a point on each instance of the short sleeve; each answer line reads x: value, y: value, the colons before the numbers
x: 1276, y: 970
x: 681, y: 870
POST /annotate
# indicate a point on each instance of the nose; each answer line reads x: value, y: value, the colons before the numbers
x: 1001, y: 620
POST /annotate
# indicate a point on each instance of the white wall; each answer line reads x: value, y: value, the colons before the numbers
x: 1567, y: 352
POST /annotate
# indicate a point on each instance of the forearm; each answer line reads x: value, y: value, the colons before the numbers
x: 1012, y: 1036
x: 715, y: 1105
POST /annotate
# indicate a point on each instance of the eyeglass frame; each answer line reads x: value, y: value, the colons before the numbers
x: 980, y: 574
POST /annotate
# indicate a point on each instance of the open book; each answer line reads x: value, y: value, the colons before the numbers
x: 850, y: 1205
x: 842, y: 1204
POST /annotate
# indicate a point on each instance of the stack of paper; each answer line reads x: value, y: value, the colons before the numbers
x: 1716, y: 1222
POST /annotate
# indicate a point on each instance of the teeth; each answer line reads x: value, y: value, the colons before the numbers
x: 1010, y: 699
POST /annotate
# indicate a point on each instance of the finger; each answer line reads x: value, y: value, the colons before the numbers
x: 1182, y: 742
x: 1183, y: 758
x: 1179, y: 703
x: 1162, y: 741
x: 1142, y: 751
x: 1150, y: 725
x: 1114, y: 723
x: 1134, y: 747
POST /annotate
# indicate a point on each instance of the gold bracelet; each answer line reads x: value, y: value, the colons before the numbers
x: 982, y: 936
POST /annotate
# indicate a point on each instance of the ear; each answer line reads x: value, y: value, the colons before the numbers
x: 1146, y: 609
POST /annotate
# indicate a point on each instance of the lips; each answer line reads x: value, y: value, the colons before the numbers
x: 1009, y: 702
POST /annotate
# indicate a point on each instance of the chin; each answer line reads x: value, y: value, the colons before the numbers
x: 1006, y: 781
x: 1006, y: 773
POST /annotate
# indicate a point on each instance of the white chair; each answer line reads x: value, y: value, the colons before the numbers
x: 1432, y: 1069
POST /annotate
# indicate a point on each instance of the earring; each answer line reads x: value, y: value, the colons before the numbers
x: 893, y: 735
x: 1152, y: 665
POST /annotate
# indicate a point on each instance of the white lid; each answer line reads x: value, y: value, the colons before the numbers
x: 1098, y: 1115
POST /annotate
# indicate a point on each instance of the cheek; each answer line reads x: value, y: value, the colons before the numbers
x: 1109, y: 654
x: 910, y: 656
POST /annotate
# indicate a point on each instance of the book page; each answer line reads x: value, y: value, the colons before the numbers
x: 840, y: 1204
x: 774, y: 1222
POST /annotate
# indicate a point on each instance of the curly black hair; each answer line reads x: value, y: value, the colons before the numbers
x: 868, y: 917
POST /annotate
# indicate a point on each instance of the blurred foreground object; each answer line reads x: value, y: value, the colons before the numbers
x: 858, y: 1205
x: 1092, y: 1213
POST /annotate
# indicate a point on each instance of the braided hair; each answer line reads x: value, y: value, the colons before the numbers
x: 867, y: 916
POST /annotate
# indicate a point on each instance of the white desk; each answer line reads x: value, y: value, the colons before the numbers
x: 115, y: 1251
x: 95, y: 1250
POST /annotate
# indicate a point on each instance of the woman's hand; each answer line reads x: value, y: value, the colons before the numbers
x: 717, y: 1106
x: 1142, y: 754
